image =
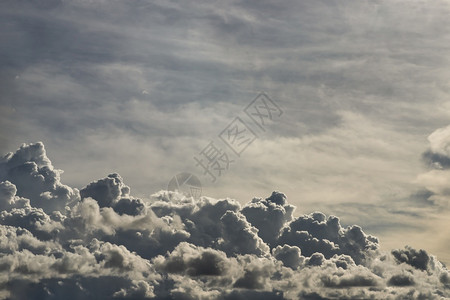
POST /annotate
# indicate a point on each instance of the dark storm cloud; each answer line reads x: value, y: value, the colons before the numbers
x: 107, y: 244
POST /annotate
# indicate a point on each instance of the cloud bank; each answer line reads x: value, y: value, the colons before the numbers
x: 100, y: 242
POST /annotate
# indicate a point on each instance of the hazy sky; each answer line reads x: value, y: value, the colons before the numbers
x: 141, y: 87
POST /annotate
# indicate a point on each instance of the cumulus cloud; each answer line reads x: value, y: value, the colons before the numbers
x: 269, y: 215
x: 102, y: 243
x: 439, y: 152
x: 437, y: 158
x: 35, y: 178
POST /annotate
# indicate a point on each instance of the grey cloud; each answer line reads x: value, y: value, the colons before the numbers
x: 33, y: 219
x: 8, y: 198
x: 98, y: 287
x: 191, y: 260
x: 269, y: 215
x: 7, y: 193
x: 212, y: 223
x: 35, y: 178
x: 401, y: 280
x: 344, y: 56
x: 107, y: 244
x: 112, y: 192
x: 106, y: 191
x: 137, y: 290
x: 129, y: 206
x: 252, y: 294
x: 289, y: 255
x: 316, y: 233
x: 436, y: 160
x: 416, y: 258
x: 316, y: 259
x: 438, y: 154
x: 146, y: 234
x: 203, y: 219
x: 343, y: 261
x: 73, y: 73
x: 14, y: 239
x: 240, y: 237
x: 253, y: 279
x: 353, y: 280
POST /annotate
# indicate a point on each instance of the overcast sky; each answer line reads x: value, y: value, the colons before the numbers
x: 141, y: 87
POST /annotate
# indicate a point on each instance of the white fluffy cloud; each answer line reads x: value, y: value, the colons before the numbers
x: 103, y: 243
x: 35, y: 178
x: 440, y: 141
x: 438, y: 159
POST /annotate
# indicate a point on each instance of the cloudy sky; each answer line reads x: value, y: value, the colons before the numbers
x: 141, y: 87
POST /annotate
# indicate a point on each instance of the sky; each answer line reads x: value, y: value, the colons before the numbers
x: 140, y: 88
